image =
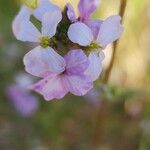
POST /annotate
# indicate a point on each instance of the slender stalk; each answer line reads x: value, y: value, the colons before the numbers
x: 101, y: 111
x: 115, y: 45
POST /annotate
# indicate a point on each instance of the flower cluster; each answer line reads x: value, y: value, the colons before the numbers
x: 69, y: 52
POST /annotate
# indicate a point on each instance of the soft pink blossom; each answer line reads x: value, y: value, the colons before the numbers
x: 72, y: 78
x: 80, y: 33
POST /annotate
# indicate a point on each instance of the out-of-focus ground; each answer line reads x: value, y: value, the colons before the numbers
x: 112, y: 117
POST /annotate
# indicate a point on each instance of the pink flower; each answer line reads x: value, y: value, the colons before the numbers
x: 25, y: 12
x: 85, y: 8
x: 71, y: 78
x: 21, y: 98
x: 110, y: 30
x: 28, y: 32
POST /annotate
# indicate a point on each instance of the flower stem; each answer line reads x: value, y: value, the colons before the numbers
x: 115, y: 45
x: 100, y: 112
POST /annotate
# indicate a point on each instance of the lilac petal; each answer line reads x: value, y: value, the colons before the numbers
x: 43, y: 62
x: 78, y: 85
x: 28, y: 32
x: 110, y: 30
x: 76, y: 62
x: 94, y: 25
x: 80, y: 33
x: 95, y: 68
x: 71, y: 13
x: 24, y: 14
x: 21, y: 98
x: 51, y: 88
x: 44, y: 6
x: 50, y: 21
x: 87, y: 7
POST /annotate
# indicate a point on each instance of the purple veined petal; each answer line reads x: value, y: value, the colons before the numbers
x: 111, y: 29
x: 51, y: 88
x: 28, y: 32
x: 87, y: 7
x: 76, y: 62
x: 50, y: 21
x: 44, y: 6
x: 95, y: 68
x: 43, y: 62
x: 78, y: 85
x: 24, y: 14
x: 71, y: 13
x: 23, y: 101
x: 80, y: 33
x: 94, y: 25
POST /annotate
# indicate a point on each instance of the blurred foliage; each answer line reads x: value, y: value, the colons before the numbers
x: 122, y: 109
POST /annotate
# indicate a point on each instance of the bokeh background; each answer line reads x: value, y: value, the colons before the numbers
x: 113, y: 116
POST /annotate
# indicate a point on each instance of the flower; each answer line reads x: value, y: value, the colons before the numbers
x: 21, y: 98
x: 85, y: 8
x: 75, y: 72
x: 28, y: 32
x: 37, y: 9
x: 70, y: 79
x: 110, y: 30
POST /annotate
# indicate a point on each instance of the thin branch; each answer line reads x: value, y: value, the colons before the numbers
x: 115, y: 45
x: 101, y: 110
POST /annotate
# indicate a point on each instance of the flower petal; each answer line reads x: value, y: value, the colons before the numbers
x: 44, y: 6
x: 87, y: 7
x: 51, y: 88
x: 94, y: 25
x: 28, y: 32
x: 24, y: 14
x: 76, y: 62
x: 50, y: 21
x: 110, y: 30
x: 95, y: 68
x: 80, y: 33
x: 78, y: 85
x: 71, y: 13
x: 43, y: 62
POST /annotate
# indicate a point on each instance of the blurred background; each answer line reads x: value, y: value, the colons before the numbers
x: 113, y: 116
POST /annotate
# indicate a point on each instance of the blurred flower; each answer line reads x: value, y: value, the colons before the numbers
x: 70, y: 79
x: 21, y: 98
